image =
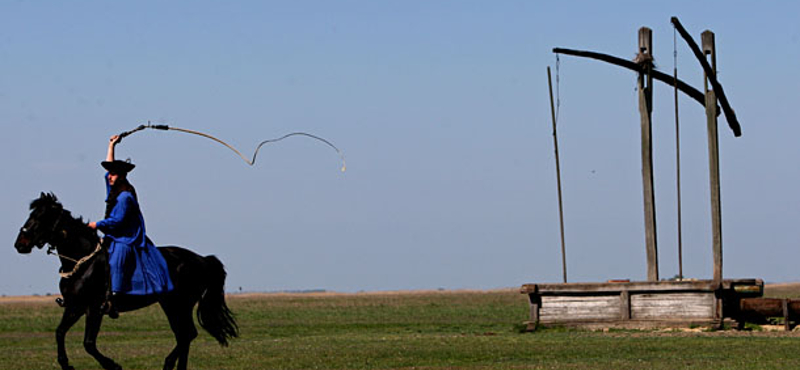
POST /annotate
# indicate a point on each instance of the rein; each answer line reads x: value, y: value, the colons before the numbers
x: 78, y: 263
x: 51, y: 250
x: 248, y: 161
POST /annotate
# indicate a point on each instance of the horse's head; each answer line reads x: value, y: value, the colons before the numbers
x: 46, y: 213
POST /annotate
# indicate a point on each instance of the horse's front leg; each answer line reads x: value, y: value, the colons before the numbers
x: 69, y: 318
x: 94, y: 318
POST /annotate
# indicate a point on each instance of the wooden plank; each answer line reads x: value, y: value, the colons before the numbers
x: 633, y: 324
x: 589, y: 288
x: 748, y: 287
x: 579, y: 308
x: 672, y: 306
x: 645, y: 109
x: 529, y: 288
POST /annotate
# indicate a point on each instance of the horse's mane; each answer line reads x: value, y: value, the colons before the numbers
x: 45, y: 199
x: 77, y: 224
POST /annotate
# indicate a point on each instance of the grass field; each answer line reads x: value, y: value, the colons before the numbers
x: 414, y: 330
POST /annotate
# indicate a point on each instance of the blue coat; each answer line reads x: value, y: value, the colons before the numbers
x: 137, y: 267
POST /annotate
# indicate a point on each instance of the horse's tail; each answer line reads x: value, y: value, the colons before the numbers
x: 212, y: 312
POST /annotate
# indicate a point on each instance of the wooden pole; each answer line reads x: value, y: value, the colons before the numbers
x: 678, y: 183
x: 711, y: 76
x: 678, y: 157
x: 709, y: 49
x: 645, y: 57
x: 558, y: 178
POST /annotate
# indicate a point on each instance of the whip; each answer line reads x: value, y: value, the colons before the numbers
x: 248, y: 161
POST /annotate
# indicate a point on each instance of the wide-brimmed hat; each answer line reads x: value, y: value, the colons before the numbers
x: 118, y: 166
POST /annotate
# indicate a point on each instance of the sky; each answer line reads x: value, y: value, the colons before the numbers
x: 442, y: 111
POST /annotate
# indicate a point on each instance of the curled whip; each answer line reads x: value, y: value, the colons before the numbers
x: 248, y: 161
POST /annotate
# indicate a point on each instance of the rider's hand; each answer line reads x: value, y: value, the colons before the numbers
x: 114, y: 140
x: 93, y: 225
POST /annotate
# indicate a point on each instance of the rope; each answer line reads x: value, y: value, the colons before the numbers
x: 558, y: 88
x: 78, y: 263
x: 50, y: 252
x: 255, y: 154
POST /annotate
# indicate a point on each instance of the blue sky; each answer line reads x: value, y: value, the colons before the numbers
x: 441, y: 109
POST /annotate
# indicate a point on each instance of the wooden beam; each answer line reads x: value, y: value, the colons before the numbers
x: 645, y: 57
x: 711, y: 74
x: 687, y: 89
x: 616, y: 288
x: 713, y: 163
x: 759, y: 309
x: 741, y: 287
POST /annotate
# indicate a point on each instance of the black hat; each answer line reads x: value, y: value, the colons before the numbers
x: 118, y: 166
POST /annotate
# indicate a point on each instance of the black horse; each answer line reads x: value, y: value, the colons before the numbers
x: 85, y: 279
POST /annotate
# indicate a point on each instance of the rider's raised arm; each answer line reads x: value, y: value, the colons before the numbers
x: 111, y: 144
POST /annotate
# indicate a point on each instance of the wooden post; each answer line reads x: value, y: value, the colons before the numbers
x: 645, y: 57
x: 785, y: 306
x: 535, y: 305
x: 625, y: 305
x: 713, y: 159
x: 558, y: 178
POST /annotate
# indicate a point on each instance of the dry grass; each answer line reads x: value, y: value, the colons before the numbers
x: 389, y: 330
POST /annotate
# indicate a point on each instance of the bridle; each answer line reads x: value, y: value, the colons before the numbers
x: 52, y: 250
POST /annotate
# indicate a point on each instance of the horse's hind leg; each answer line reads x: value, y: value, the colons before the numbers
x: 69, y: 318
x: 182, y: 324
x: 93, y: 320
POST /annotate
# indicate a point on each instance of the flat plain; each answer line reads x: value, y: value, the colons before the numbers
x: 391, y: 330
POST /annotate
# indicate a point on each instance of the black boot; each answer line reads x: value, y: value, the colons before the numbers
x: 109, y: 307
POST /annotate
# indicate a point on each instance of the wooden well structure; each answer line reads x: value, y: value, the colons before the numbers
x: 655, y: 303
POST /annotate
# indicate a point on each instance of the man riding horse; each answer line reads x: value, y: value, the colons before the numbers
x: 137, y: 268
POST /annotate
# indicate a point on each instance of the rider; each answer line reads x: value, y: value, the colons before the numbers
x: 137, y: 267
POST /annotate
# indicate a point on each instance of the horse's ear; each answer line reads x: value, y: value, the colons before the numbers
x: 41, y: 195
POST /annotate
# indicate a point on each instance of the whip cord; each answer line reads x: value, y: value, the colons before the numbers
x: 255, y: 154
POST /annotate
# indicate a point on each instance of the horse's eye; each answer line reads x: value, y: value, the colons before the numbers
x: 23, y: 230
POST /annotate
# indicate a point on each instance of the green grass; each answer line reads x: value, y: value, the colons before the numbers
x: 444, y: 330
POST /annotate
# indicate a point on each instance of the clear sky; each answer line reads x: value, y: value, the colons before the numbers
x: 441, y: 109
